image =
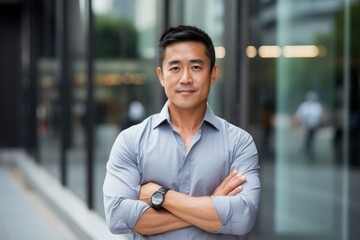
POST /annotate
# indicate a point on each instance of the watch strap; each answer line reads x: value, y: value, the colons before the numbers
x: 163, y: 190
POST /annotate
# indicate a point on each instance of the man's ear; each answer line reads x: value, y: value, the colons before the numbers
x: 160, y: 76
x: 214, y: 74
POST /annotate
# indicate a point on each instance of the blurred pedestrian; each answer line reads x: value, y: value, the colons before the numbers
x: 310, y: 115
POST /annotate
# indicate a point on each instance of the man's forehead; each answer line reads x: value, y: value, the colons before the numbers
x: 190, y: 50
x: 186, y: 44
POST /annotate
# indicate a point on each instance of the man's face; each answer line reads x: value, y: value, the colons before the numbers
x: 186, y: 75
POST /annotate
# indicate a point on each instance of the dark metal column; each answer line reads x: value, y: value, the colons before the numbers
x: 65, y: 88
x: 10, y: 127
x: 32, y: 87
x: 242, y: 37
x: 235, y: 67
x: 164, y: 22
x: 231, y: 62
x: 90, y: 107
x: 166, y: 12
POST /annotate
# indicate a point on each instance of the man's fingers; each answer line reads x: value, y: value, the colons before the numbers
x: 235, y: 191
x: 235, y: 182
x: 228, y: 178
x: 229, y: 185
x: 147, y: 190
x: 222, y: 189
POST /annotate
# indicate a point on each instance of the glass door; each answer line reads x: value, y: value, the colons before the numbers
x: 303, y: 70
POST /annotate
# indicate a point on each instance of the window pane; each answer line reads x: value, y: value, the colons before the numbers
x: 48, y: 105
x: 76, y: 153
x: 125, y: 73
x: 301, y: 92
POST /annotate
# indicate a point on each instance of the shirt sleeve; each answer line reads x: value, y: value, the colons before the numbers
x: 238, y: 213
x: 121, y: 186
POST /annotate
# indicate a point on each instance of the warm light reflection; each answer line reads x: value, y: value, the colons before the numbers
x: 220, y: 52
x: 113, y: 79
x: 102, y: 79
x: 289, y: 51
x: 270, y: 51
x: 305, y: 51
x: 251, y: 51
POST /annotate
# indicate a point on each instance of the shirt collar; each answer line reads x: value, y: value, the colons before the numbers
x: 209, y: 117
x: 162, y: 116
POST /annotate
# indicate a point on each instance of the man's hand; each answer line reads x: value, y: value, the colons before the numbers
x: 147, y: 190
x: 231, y: 185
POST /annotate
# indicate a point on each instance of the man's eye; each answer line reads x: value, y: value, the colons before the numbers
x: 174, y: 69
x: 196, y: 68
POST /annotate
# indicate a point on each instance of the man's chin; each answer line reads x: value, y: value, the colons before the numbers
x: 185, y: 105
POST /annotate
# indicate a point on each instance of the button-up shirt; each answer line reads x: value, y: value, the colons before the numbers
x: 153, y: 151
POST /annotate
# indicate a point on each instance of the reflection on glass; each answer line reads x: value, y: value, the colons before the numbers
x: 47, y: 113
x: 299, y: 46
x: 76, y: 153
x: 125, y: 74
x: 48, y: 105
x: 308, y: 160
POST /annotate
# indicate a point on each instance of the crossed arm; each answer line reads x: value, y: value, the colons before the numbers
x: 181, y: 210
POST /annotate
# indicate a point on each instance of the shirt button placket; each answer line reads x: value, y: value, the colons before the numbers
x: 187, y: 175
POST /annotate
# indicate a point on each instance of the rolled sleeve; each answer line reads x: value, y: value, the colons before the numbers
x: 121, y: 187
x: 238, y: 213
x: 122, y: 214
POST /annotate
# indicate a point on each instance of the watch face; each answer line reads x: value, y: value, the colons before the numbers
x: 157, y: 198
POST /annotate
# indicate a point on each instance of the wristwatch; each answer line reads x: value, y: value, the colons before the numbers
x: 158, y: 197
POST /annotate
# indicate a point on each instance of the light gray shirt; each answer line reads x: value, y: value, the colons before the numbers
x: 153, y: 151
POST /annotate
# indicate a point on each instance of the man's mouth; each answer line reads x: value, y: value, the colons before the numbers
x: 186, y: 90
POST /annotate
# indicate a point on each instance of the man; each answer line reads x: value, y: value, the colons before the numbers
x: 183, y: 173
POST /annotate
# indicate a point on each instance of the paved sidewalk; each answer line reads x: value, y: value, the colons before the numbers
x: 35, y: 206
x: 23, y: 214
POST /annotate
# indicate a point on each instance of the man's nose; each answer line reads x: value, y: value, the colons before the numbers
x: 186, y: 77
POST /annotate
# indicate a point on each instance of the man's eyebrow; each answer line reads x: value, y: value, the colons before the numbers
x: 172, y: 62
x: 196, y: 60
x: 200, y: 61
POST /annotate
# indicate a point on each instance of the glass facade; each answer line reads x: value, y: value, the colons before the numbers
x: 48, y: 106
x: 289, y: 74
x: 306, y: 52
x: 125, y: 77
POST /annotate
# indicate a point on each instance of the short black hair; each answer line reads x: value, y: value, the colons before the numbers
x: 183, y: 33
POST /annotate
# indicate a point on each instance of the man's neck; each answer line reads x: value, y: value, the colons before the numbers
x: 186, y: 120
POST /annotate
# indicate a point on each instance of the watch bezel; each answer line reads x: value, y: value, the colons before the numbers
x: 158, y: 195
x: 157, y: 198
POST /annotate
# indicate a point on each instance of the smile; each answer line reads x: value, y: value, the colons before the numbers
x: 186, y: 91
